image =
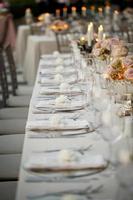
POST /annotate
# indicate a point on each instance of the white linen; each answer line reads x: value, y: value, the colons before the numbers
x: 67, y: 124
x: 48, y: 91
x: 50, y: 161
x: 51, y: 105
x: 36, y: 46
x: 57, y: 80
x: 65, y: 70
x: 21, y: 44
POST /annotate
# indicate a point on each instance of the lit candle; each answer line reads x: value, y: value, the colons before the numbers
x: 116, y: 15
x: 100, y: 11
x: 64, y: 12
x: 74, y: 11
x: 57, y: 12
x: 100, y: 32
x: 83, y: 11
x: 82, y: 40
x: 92, y: 8
x: 28, y: 16
x: 47, y: 18
x: 104, y: 36
x: 92, y: 30
x: 89, y: 36
x: 107, y: 10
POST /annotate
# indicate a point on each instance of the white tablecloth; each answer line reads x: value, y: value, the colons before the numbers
x: 29, y: 49
x: 36, y: 46
x: 29, y: 185
x: 21, y: 44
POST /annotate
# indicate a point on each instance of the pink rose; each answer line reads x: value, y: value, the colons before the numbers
x: 129, y: 74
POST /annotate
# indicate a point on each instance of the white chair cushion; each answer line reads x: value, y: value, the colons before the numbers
x: 8, y: 190
x: 11, y: 144
x: 24, y: 90
x: 14, y: 113
x: 9, y: 166
x: 19, y: 101
x: 12, y: 126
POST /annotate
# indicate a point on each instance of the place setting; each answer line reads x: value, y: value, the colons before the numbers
x: 79, y: 194
x: 66, y: 165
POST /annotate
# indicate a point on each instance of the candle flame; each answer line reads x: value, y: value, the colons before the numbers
x: 74, y: 8
x: 116, y: 12
x: 100, y: 27
x: 65, y: 9
x: 100, y: 10
x: 92, y: 8
x: 83, y: 8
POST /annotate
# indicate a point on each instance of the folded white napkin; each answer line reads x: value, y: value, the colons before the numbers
x: 67, y: 124
x: 46, y: 90
x: 50, y: 105
x: 41, y: 162
x: 50, y: 63
x: 66, y: 70
x: 54, y: 56
x: 50, y: 80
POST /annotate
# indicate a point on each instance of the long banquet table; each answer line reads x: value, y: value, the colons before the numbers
x: 100, y: 186
x: 29, y: 48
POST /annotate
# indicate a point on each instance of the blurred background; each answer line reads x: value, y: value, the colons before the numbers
x: 17, y: 7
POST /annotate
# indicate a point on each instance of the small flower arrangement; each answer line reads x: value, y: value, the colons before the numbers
x: 111, y: 47
x: 120, y: 69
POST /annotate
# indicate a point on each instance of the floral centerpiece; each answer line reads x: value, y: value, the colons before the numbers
x: 107, y: 49
x: 59, y: 26
x: 120, y: 75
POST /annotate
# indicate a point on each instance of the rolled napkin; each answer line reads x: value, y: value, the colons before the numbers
x: 59, y: 61
x: 59, y: 69
x: 67, y: 155
x: 58, y: 78
x: 56, y: 53
x: 43, y: 162
x: 64, y: 87
x: 64, y: 124
x: 61, y: 100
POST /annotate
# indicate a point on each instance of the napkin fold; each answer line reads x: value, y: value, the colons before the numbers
x: 67, y: 106
x: 52, y: 81
x: 67, y: 124
x: 45, y: 71
x: 48, y: 91
x: 43, y: 162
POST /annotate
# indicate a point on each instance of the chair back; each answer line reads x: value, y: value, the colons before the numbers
x: 12, y: 69
x: 3, y: 80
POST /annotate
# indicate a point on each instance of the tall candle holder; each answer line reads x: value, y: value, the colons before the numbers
x: 74, y: 12
x: 84, y: 11
x: 65, y: 10
x: 57, y: 13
